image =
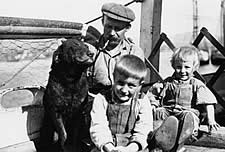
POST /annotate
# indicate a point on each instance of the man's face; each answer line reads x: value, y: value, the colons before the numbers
x: 114, y: 31
x: 184, y: 69
x: 125, y: 87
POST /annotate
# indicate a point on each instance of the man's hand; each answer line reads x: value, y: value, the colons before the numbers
x: 153, y: 94
x: 156, y: 88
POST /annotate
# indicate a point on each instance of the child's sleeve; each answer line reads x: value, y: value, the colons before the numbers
x: 204, y: 95
x: 99, y: 130
x: 144, y: 123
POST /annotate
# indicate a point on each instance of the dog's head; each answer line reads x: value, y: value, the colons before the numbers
x: 76, y: 51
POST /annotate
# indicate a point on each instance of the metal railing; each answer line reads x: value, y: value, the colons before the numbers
x: 203, y: 33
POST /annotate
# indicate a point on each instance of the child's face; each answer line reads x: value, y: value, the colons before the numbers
x: 184, y: 70
x: 125, y: 87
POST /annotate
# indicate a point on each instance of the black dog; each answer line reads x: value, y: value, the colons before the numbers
x: 67, y: 87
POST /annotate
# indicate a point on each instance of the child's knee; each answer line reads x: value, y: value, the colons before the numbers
x: 194, y: 119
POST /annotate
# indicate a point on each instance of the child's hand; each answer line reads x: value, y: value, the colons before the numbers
x: 109, y: 147
x: 132, y: 147
x: 213, y: 126
x: 124, y: 149
x: 120, y: 149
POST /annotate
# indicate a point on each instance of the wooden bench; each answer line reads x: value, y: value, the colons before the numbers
x: 214, y: 140
x: 21, y: 118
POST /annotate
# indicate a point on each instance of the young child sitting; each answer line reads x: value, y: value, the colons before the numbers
x: 180, y: 101
x: 121, y: 118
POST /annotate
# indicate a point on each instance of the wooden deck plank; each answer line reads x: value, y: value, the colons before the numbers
x: 21, y: 147
x: 202, y: 149
x: 215, y: 139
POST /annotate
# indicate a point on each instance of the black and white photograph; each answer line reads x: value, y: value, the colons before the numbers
x: 112, y: 76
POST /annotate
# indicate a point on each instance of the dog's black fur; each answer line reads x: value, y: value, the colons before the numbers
x: 67, y: 88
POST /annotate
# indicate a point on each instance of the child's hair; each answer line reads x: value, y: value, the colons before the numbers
x: 185, y: 53
x: 131, y: 66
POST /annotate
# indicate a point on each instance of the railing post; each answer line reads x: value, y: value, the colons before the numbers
x: 150, y: 31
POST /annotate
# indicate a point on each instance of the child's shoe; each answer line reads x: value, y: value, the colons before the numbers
x: 166, y: 134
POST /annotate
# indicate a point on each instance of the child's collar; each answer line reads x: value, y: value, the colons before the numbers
x: 178, y: 81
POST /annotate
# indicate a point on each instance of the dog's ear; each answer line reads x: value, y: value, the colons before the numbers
x: 56, y: 57
x: 63, y: 41
x: 66, y: 52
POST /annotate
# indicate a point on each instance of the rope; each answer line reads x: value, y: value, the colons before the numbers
x: 26, y: 65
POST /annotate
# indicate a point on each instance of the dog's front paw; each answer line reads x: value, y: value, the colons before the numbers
x: 62, y: 137
x: 59, y: 147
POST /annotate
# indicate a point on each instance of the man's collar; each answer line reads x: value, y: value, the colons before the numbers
x: 123, y: 45
x: 101, y: 43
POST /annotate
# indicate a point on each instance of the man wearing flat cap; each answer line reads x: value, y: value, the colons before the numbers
x: 113, y: 44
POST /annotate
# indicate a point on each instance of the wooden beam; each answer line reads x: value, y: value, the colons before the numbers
x: 16, y: 21
x: 15, y: 32
x: 37, y: 30
x: 150, y: 31
x: 191, y: 148
x: 222, y: 22
x: 215, y: 139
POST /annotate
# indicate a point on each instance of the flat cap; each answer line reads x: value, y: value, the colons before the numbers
x: 118, y: 12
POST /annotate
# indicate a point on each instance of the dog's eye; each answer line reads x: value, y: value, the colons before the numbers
x: 86, y: 47
x: 78, y: 44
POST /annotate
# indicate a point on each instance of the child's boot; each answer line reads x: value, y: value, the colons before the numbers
x: 185, y: 131
x: 166, y: 134
x: 187, y: 128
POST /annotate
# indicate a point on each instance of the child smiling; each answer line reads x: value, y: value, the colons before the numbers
x: 121, y: 118
x: 181, y: 99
